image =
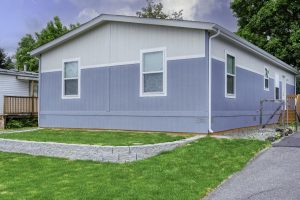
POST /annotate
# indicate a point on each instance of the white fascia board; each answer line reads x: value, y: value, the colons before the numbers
x: 27, y: 78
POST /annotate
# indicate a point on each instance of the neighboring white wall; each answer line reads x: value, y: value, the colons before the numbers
x: 10, y: 86
x: 121, y: 42
x: 247, y: 60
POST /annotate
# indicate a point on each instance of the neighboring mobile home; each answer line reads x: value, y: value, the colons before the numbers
x: 18, y: 93
x: 120, y: 72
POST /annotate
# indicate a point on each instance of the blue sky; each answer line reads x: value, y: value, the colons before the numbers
x: 19, y: 17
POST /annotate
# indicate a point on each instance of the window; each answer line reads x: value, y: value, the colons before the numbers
x: 266, y: 79
x: 277, y: 93
x: 71, y: 79
x: 153, y: 73
x: 276, y: 90
x: 230, y: 79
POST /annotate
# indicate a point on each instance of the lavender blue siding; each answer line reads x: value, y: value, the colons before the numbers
x: 243, y: 110
x: 110, y: 99
x: 290, y: 89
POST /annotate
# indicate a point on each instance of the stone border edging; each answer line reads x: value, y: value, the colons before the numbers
x: 114, y: 154
x: 19, y: 131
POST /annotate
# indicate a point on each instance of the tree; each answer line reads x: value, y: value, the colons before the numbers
x: 155, y: 10
x: 5, y: 61
x: 9, y: 63
x: 244, y: 10
x: 272, y: 25
x: 53, y: 30
x: 2, y: 58
x: 27, y: 44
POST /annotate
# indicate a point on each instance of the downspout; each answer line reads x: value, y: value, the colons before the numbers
x: 210, y: 82
x: 39, y: 89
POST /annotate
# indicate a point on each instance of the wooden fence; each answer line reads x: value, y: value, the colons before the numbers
x: 18, y: 105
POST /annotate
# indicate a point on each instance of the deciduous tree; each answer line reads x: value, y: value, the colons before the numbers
x: 5, y: 61
x: 155, y: 10
x: 273, y: 25
x: 53, y: 30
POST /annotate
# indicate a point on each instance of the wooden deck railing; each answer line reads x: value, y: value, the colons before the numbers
x: 18, y: 105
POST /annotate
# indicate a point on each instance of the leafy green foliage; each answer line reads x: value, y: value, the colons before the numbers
x: 188, y: 172
x: 5, y: 61
x: 26, y: 45
x: 21, y: 122
x: 272, y: 25
x: 9, y: 63
x: 94, y: 137
x: 2, y: 58
x: 14, y: 124
x: 155, y: 10
x: 53, y: 30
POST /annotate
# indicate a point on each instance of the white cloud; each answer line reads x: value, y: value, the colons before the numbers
x: 87, y: 14
x: 102, y: 3
x: 126, y: 11
x: 191, y: 8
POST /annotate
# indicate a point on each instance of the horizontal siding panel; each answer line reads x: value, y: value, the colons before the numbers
x: 117, y: 89
x: 10, y: 86
x: 231, y: 113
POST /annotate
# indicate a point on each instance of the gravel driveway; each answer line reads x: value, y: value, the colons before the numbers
x: 273, y: 175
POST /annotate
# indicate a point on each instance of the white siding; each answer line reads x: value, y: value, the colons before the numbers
x: 92, y: 48
x: 10, y: 86
x: 128, y: 39
x: 122, y: 42
x: 247, y: 60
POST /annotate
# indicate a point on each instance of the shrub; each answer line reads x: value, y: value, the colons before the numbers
x: 21, y: 122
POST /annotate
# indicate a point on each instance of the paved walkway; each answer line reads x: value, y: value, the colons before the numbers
x: 273, y: 175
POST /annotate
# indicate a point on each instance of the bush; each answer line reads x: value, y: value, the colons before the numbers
x: 21, y: 122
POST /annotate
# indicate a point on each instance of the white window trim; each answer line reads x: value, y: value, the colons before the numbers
x: 63, y: 96
x: 164, y: 71
x: 279, y: 95
x: 232, y: 96
x: 266, y: 89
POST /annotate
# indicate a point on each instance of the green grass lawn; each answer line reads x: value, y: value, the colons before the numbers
x: 94, y: 137
x: 188, y: 172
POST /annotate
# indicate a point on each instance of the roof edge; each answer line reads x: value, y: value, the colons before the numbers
x: 162, y: 22
x: 20, y: 73
x: 120, y: 18
x: 255, y: 49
